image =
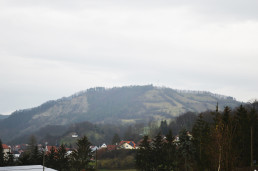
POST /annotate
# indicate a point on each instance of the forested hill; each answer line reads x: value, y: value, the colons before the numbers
x: 115, y: 105
x: 3, y: 116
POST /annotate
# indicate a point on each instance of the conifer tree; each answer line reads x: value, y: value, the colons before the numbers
x: 252, y: 120
x: 201, y: 140
x: 222, y: 147
x: 242, y: 138
x: 170, y: 152
x: 164, y: 127
x: 1, y: 154
x: 226, y: 115
x: 186, y: 149
x: 229, y: 154
x: 116, y: 139
x: 62, y: 158
x: 157, y: 152
x: 143, y: 155
x: 24, y: 158
x: 51, y: 158
x: 32, y: 143
x: 81, y: 156
x: 34, y: 155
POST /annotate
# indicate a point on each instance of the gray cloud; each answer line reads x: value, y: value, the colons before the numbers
x: 50, y: 49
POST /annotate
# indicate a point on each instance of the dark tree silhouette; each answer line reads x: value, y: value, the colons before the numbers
x: 1, y: 154
x: 158, y: 152
x: 143, y: 155
x: 170, y: 152
x: 51, y: 158
x: 62, y: 158
x: 186, y: 149
x: 81, y: 156
x: 202, y: 139
x: 116, y: 139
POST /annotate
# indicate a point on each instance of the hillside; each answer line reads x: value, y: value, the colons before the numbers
x: 3, y: 116
x: 116, y: 105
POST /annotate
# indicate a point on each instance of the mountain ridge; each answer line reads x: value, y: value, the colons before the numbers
x: 112, y: 105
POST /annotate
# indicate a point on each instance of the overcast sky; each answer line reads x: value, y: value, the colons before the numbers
x: 54, y: 48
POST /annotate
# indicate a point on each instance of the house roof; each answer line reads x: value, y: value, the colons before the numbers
x: 128, y: 142
x: 111, y: 147
x: 31, y: 168
x: 103, y: 146
x: 5, y: 146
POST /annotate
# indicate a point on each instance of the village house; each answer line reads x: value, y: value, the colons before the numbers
x: 16, y: 154
x: 127, y: 145
x: 93, y: 148
x: 6, y: 149
x: 16, y: 151
x: 103, y: 146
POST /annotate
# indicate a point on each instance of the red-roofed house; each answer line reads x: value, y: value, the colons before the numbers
x: 6, y: 149
x: 127, y: 145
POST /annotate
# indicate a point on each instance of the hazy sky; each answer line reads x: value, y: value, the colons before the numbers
x: 54, y: 48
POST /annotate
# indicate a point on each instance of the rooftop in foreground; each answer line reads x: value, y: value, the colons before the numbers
x: 30, y: 168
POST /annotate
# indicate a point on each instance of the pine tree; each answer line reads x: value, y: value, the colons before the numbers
x: 157, y: 152
x: 81, y: 156
x: 24, y: 159
x: 222, y: 148
x: 226, y: 115
x: 2, y: 163
x: 116, y: 139
x: 164, y: 127
x: 62, y: 158
x: 252, y: 121
x: 201, y: 135
x: 32, y: 143
x: 169, y: 150
x: 229, y: 154
x: 242, y: 138
x: 51, y: 158
x: 35, y: 157
x: 144, y: 155
x: 186, y: 149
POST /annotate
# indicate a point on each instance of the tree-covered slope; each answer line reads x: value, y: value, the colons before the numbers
x: 120, y: 104
x: 3, y: 116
